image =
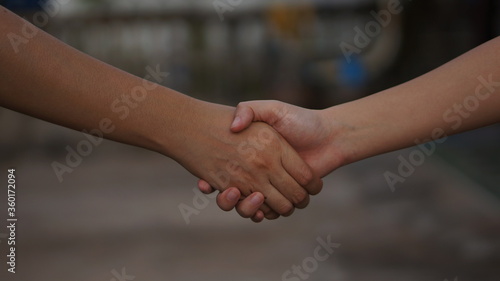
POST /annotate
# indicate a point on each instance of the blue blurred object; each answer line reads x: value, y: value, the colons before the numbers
x: 23, y: 5
x: 352, y: 74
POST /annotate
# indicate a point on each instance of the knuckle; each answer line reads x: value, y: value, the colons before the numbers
x: 285, y: 209
x: 243, y: 212
x: 242, y: 105
x: 300, y: 197
x: 262, y: 162
x: 316, y: 188
x: 307, y: 176
x: 303, y: 204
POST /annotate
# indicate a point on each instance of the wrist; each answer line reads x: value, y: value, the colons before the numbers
x: 365, y: 128
x: 198, y: 123
x: 170, y: 119
x: 338, y: 131
x: 350, y: 137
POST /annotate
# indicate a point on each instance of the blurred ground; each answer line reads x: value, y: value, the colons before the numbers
x: 120, y: 210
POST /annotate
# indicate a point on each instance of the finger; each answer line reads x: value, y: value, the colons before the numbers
x: 251, y: 111
x: 277, y: 201
x: 205, y: 187
x: 268, y: 212
x: 243, y: 117
x: 227, y: 199
x: 249, y: 206
x: 271, y: 215
x: 301, y: 172
x: 258, y: 217
x: 291, y: 190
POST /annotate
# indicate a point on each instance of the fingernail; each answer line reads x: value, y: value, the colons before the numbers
x: 232, y: 195
x: 236, y: 121
x: 256, y: 200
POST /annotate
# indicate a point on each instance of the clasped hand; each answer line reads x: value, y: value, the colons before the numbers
x: 257, y: 161
x: 303, y: 129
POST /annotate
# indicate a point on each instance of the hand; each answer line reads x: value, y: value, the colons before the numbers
x: 255, y: 160
x: 307, y: 131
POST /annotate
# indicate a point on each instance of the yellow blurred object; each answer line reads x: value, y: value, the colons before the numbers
x: 289, y: 20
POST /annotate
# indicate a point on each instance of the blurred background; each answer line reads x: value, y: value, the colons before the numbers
x: 119, y: 211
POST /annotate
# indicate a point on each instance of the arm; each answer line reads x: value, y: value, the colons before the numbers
x: 461, y: 95
x: 54, y: 82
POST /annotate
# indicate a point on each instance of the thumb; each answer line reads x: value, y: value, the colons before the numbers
x: 254, y: 111
x: 243, y: 117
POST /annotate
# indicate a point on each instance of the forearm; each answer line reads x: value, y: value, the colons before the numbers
x: 52, y: 81
x: 458, y: 96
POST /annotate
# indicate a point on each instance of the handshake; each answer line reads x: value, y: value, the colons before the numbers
x: 274, y: 166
